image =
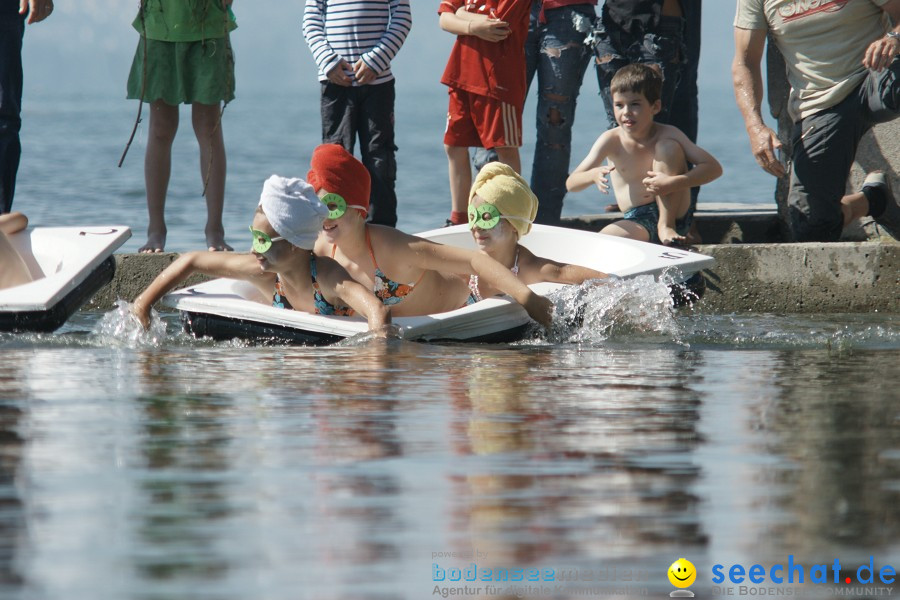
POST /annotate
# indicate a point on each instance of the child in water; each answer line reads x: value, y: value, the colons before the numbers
x: 501, y: 210
x: 648, y: 163
x: 412, y: 275
x: 281, y: 264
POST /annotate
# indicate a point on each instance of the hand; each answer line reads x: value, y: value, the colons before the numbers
x: 363, y: 73
x: 659, y: 184
x: 600, y: 178
x: 880, y: 53
x: 142, y: 313
x: 490, y: 30
x: 540, y: 309
x: 338, y: 75
x: 38, y: 10
x: 765, y: 144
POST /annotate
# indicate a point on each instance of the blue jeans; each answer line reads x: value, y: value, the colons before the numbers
x: 367, y: 112
x: 12, y: 29
x: 555, y: 52
x: 823, y: 150
x: 615, y: 47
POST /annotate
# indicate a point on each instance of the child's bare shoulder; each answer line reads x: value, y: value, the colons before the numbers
x: 670, y: 132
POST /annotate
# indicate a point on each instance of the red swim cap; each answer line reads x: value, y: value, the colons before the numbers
x: 339, y: 172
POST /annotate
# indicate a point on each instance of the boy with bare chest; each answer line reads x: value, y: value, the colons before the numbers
x: 647, y: 163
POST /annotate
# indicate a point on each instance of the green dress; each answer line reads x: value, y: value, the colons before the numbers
x: 188, y: 53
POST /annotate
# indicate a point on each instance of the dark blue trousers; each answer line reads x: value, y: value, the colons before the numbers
x: 12, y: 29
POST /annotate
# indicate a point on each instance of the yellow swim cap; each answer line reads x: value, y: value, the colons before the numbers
x: 500, y: 185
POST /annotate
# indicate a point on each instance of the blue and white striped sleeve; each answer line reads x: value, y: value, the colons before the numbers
x: 314, y: 33
x: 380, y: 56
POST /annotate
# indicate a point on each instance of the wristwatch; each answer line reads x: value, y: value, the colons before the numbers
x: 893, y: 34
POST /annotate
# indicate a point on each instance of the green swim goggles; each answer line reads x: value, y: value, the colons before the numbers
x: 487, y: 216
x: 261, y: 241
x: 337, y: 206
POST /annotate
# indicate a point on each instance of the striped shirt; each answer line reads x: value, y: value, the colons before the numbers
x: 371, y: 30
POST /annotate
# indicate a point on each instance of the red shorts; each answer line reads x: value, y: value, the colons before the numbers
x: 481, y: 121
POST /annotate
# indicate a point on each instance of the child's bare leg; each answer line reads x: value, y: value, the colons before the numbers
x: 206, y: 119
x: 13, y: 271
x: 157, y: 169
x: 510, y: 156
x: 627, y: 229
x: 460, y: 177
x: 13, y: 222
x: 669, y: 159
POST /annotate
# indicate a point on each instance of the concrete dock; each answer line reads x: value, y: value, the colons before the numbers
x: 844, y: 277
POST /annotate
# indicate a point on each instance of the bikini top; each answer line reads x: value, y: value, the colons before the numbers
x: 323, y: 306
x: 387, y: 290
x: 475, y: 293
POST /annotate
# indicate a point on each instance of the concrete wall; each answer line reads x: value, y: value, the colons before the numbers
x: 779, y: 278
x: 842, y: 277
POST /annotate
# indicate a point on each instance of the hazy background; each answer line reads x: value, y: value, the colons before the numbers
x: 77, y: 121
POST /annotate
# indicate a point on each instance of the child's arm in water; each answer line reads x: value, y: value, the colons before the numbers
x: 335, y: 280
x: 215, y: 264
x: 592, y: 171
x: 557, y: 272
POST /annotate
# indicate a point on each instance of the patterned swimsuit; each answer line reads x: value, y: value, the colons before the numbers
x: 323, y: 306
x: 475, y: 293
x: 387, y: 290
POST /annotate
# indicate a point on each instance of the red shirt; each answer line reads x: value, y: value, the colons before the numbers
x: 494, y: 69
x: 551, y: 4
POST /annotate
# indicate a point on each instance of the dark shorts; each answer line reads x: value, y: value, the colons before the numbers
x: 824, y: 148
x: 647, y: 216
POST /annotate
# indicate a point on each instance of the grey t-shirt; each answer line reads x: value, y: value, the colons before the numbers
x: 823, y: 43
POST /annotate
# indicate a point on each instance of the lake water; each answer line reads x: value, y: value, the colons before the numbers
x: 167, y: 467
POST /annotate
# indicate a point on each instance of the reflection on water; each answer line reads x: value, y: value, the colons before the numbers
x: 193, y: 469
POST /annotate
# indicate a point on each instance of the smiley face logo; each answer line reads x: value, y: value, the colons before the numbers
x: 682, y: 573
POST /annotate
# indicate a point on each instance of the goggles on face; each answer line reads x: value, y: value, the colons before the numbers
x: 487, y: 216
x: 337, y: 206
x: 261, y: 241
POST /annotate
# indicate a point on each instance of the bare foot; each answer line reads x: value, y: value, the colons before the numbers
x: 215, y: 242
x: 156, y: 243
x: 670, y: 237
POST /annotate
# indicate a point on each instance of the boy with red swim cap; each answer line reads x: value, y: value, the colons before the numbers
x: 486, y: 77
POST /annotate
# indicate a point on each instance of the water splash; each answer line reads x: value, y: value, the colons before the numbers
x: 615, y: 309
x: 119, y: 327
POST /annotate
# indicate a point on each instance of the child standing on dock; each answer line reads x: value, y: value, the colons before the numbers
x: 184, y: 57
x: 353, y: 43
x: 486, y: 77
x: 647, y: 162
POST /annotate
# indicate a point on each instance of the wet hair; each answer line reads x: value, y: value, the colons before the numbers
x: 637, y: 78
